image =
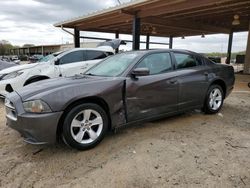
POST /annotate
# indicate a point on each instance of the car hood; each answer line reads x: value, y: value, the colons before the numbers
x: 5, y: 65
x: 59, y: 85
x: 17, y: 68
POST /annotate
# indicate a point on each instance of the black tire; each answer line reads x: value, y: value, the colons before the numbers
x: 34, y: 80
x: 207, y: 108
x: 67, y: 135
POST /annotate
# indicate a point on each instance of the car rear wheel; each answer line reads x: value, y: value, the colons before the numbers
x: 214, y: 99
x: 85, y: 126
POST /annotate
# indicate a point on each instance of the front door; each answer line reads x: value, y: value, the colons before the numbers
x: 155, y: 94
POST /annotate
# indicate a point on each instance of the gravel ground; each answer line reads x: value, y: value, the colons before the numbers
x: 189, y: 150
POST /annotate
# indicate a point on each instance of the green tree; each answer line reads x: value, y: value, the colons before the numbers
x: 5, y: 47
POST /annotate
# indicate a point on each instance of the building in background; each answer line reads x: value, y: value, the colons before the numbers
x: 48, y: 49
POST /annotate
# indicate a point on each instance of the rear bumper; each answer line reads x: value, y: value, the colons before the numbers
x: 229, y: 91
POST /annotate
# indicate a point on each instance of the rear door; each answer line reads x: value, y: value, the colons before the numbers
x: 155, y: 94
x: 192, y: 78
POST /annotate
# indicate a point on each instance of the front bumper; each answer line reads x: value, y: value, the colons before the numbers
x: 35, y: 128
x: 7, y: 86
x: 3, y: 92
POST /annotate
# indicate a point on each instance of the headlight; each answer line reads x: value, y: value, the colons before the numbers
x: 11, y: 75
x: 2, y: 75
x: 36, y: 106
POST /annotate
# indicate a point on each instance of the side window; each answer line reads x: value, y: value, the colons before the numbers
x: 72, y: 57
x: 185, y: 60
x: 156, y: 63
x: 93, y: 55
x: 199, y: 60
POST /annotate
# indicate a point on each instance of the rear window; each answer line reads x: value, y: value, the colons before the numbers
x: 94, y: 55
x: 72, y: 57
x: 184, y: 60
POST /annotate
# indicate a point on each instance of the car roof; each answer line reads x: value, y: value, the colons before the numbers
x: 169, y: 50
x: 102, y: 48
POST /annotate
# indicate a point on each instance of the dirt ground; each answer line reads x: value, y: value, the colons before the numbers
x: 189, y: 150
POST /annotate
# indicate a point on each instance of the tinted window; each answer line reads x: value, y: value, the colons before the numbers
x: 72, y: 57
x: 199, y: 60
x: 185, y: 60
x: 92, y: 55
x: 156, y: 63
x: 114, y: 65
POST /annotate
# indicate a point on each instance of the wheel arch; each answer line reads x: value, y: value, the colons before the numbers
x: 93, y: 99
x: 42, y: 77
x: 221, y: 83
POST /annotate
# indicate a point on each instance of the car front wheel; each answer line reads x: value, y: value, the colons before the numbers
x: 214, y: 99
x: 85, y: 126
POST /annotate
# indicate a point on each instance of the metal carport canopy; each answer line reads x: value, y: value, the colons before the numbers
x: 168, y: 18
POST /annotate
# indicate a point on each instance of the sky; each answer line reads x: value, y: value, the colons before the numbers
x: 31, y: 22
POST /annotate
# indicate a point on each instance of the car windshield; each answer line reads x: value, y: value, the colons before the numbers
x: 49, y: 57
x: 46, y: 58
x: 114, y: 65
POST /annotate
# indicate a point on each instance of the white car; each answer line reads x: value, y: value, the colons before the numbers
x: 68, y: 63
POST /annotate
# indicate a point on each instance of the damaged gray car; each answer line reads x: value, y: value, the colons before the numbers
x: 123, y: 89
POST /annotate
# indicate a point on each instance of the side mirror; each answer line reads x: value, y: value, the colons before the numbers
x: 140, y: 72
x: 57, y: 61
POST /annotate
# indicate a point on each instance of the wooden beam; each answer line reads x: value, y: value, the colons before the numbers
x: 187, y: 25
x: 210, y: 10
x: 181, y: 7
x: 218, y: 17
x: 100, y: 23
x: 132, y: 13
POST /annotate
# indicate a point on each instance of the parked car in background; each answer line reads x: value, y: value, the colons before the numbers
x: 23, y: 57
x: 123, y: 89
x: 62, y: 64
x: 11, y: 59
x: 215, y: 59
x: 35, y: 58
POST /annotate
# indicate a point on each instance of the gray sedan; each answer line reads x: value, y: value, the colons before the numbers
x: 124, y: 89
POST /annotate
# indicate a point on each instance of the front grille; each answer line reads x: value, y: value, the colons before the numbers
x: 10, y: 110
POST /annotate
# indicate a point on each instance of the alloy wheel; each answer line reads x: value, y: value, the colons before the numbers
x: 86, y: 126
x: 215, y: 99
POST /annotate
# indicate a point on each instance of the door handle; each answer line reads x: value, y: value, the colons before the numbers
x: 173, y: 81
